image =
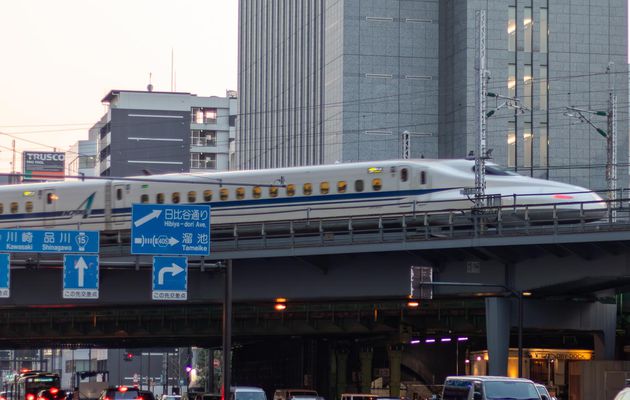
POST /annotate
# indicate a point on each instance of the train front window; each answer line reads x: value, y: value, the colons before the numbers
x: 493, y: 169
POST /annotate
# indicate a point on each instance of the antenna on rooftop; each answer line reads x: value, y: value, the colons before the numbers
x: 150, y: 85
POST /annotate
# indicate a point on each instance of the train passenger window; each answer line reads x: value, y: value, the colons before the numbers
x: 224, y: 194
x: 358, y: 185
x: 51, y: 198
x: 29, y: 206
x: 403, y: 175
x: 1, y: 208
x: 377, y: 184
x: 324, y: 187
x: 423, y: 177
x: 192, y: 196
x: 159, y: 198
x: 273, y: 191
x: 144, y: 198
x: 240, y: 193
x: 175, y: 197
x: 307, y: 189
x: 14, y: 207
x: 341, y: 187
x: 119, y: 194
x: 256, y: 192
x: 207, y: 195
x: 290, y: 189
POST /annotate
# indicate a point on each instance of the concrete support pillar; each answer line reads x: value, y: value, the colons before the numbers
x: 365, y: 356
x: 498, y: 334
x: 332, y: 374
x: 342, y: 366
x: 394, y: 353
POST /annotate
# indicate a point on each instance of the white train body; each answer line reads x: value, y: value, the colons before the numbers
x: 328, y: 191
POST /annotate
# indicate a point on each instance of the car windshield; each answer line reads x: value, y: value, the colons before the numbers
x: 510, y: 390
x: 542, y: 390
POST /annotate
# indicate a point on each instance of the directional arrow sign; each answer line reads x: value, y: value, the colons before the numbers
x: 80, y: 276
x: 5, y: 275
x: 170, y: 278
x: 170, y: 229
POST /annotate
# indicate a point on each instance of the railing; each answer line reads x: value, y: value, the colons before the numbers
x: 414, y: 226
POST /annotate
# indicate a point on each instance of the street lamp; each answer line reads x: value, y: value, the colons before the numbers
x: 515, y: 293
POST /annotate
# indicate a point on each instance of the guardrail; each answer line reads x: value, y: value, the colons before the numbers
x: 498, y: 221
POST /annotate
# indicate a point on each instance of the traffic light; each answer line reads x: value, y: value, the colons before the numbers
x: 128, y: 357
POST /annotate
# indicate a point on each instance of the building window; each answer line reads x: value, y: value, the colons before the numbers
x: 528, y: 26
x: 202, y: 138
x: 511, y: 144
x: 192, y: 196
x: 144, y: 198
x: 201, y: 115
x: 232, y: 120
x: 175, y: 198
x: 543, y: 87
x: 207, y: 195
x: 544, y: 144
x: 511, y: 80
x: 203, y: 160
x: 527, y: 86
x: 527, y: 145
x: 544, y: 30
x: 511, y: 28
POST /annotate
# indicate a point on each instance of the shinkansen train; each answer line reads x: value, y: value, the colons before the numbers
x: 284, y: 194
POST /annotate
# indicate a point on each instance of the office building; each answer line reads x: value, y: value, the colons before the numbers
x: 346, y: 80
x: 163, y: 132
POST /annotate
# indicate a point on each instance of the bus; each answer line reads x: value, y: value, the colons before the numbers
x: 26, y: 385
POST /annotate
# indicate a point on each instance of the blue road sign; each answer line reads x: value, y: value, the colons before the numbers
x: 5, y: 275
x: 170, y: 229
x: 80, y: 276
x: 170, y: 278
x: 48, y: 241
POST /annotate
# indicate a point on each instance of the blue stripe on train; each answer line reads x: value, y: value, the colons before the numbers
x: 257, y: 203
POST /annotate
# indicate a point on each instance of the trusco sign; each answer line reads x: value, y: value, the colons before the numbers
x: 48, y: 165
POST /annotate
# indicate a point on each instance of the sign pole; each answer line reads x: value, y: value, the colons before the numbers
x: 227, y: 331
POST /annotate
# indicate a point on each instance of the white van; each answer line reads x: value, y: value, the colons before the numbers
x: 488, y: 388
x: 358, y: 396
x: 287, y: 394
x: 247, y: 393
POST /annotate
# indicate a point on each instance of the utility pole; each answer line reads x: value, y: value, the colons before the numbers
x: 610, y: 134
x: 482, y: 92
x: 611, y: 140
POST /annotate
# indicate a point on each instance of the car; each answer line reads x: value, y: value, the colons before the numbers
x: 120, y: 393
x: 543, y: 392
x: 52, y: 394
x: 247, y: 393
x: 171, y: 397
x: 488, y: 388
x: 358, y: 396
x: 624, y: 394
x: 146, y: 395
x: 287, y: 394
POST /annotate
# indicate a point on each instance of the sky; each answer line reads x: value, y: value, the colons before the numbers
x: 59, y: 58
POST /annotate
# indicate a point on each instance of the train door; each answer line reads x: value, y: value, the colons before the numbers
x: 50, y: 206
x: 120, y: 205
